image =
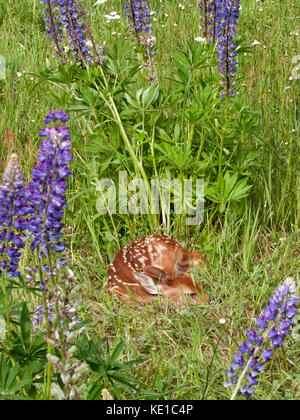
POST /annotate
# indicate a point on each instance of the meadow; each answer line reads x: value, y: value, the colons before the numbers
x: 245, y: 147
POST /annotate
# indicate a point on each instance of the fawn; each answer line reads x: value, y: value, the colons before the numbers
x: 152, y: 266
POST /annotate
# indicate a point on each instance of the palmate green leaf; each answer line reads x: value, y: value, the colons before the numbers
x: 116, y: 353
x: 4, y: 309
x: 240, y: 190
x: 230, y: 189
x: 27, y: 351
x: 161, y: 387
x: 177, y: 157
x: 124, y: 379
x: 64, y: 74
x: 10, y: 381
x: 105, y: 363
x: 25, y: 325
x: 93, y: 391
x: 227, y: 184
x: 13, y: 397
x: 150, y: 95
x: 87, y: 100
x: 33, y: 356
x: 132, y: 101
x: 211, y: 192
x: 90, y: 350
x: 20, y: 284
x: 143, y: 98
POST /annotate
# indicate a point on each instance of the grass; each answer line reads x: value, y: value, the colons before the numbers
x: 247, y: 257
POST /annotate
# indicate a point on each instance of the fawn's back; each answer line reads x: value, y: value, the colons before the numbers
x: 154, y: 265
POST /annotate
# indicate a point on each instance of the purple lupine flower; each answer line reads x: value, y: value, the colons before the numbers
x: 219, y: 19
x: 227, y: 14
x: 53, y: 24
x: 39, y: 314
x: 139, y: 16
x: 13, y: 208
x: 273, y: 326
x: 56, y: 115
x: 48, y: 186
x: 208, y: 10
x: 71, y: 12
x: 65, y: 22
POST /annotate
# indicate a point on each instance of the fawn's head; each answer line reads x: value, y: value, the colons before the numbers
x: 180, y: 289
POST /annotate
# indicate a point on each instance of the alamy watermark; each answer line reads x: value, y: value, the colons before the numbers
x: 2, y: 67
x: 153, y: 197
x: 296, y: 328
x: 2, y: 327
x: 296, y: 69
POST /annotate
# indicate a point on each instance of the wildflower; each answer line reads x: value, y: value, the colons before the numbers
x: 48, y: 186
x: 208, y: 9
x: 139, y: 17
x: 65, y: 21
x: 227, y: 14
x: 112, y: 16
x: 13, y: 208
x: 273, y: 326
x: 39, y: 314
x: 139, y: 14
x: 53, y: 23
x: 219, y: 26
x: 106, y: 395
x: 199, y: 39
x: 62, y: 332
x: 60, y: 293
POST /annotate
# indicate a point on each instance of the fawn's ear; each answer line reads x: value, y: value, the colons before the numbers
x: 196, y: 257
x: 146, y: 282
x: 155, y: 272
x: 181, y: 269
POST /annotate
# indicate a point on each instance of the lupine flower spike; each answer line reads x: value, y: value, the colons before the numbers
x: 65, y: 22
x: 53, y: 24
x: 60, y: 292
x: 208, y: 10
x: 62, y: 331
x: 272, y: 327
x: 47, y: 191
x: 220, y: 19
x: 13, y: 209
x: 139, y: 16
x: 227, y: 14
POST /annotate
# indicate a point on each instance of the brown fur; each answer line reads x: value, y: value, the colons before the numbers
x: 154, y: 265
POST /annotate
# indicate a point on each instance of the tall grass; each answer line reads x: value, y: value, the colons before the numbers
x: 248, y: 252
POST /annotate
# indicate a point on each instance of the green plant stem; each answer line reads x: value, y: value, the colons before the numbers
x: 220, y: 160
x: 7, y: 316
x: 49, y: 348
x: 190, y: 137
x: 200, y: 148
x: 156, y: 172
x: 138, y: 165
x: 222, y: 145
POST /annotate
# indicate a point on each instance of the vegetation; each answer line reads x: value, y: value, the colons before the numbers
x: 174, y: 126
